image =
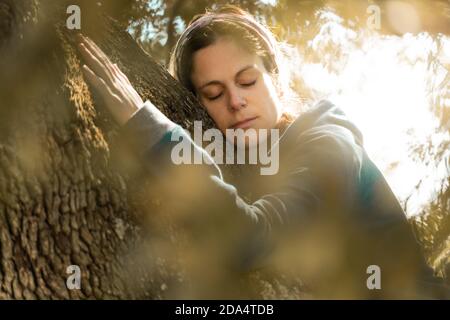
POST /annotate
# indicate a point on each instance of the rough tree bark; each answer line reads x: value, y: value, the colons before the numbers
x: 63, y: 199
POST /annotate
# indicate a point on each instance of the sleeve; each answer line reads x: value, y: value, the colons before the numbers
x: 199, y: 193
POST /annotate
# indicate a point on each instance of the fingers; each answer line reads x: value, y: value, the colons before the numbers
x: 96, y: 59
x: 121, y: 74
x: 100, y: 63
x: 98, y: 83
x: 96, y: 65
x: 98, y: 53
x: 96, y: 49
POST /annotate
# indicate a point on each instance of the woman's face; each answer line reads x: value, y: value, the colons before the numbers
x: 235, y: 87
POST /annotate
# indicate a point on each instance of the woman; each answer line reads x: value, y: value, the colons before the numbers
x: 327, y: 198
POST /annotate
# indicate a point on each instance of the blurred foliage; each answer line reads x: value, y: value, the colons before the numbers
x: 156, y: 24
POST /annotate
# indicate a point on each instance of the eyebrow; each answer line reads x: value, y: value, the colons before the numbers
x: 218, y: 82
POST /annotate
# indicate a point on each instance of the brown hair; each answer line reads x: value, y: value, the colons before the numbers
x: 227, y: 22
x: 230, y: 22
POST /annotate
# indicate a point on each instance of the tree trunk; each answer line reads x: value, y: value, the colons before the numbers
x: 63, y: 199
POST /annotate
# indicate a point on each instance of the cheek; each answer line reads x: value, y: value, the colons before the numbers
x: 269, y: 117
x: 217, y: 113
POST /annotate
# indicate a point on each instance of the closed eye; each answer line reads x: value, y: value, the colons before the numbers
x: 248, y: 84
x: 214, y: 97
x: 244, y: 84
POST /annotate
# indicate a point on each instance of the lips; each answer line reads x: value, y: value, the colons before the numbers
x: 244, y: 123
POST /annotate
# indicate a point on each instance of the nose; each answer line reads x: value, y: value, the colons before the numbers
x: 236, y: 99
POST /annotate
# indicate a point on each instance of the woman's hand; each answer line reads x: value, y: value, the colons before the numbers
x: 112, y: 84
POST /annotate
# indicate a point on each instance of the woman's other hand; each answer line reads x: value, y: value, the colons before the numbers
x: 112, y: 84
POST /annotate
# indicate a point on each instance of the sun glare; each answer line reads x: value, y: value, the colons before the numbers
x: 382, y: 86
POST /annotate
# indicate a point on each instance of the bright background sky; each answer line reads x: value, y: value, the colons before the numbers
x: 383, y: 86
